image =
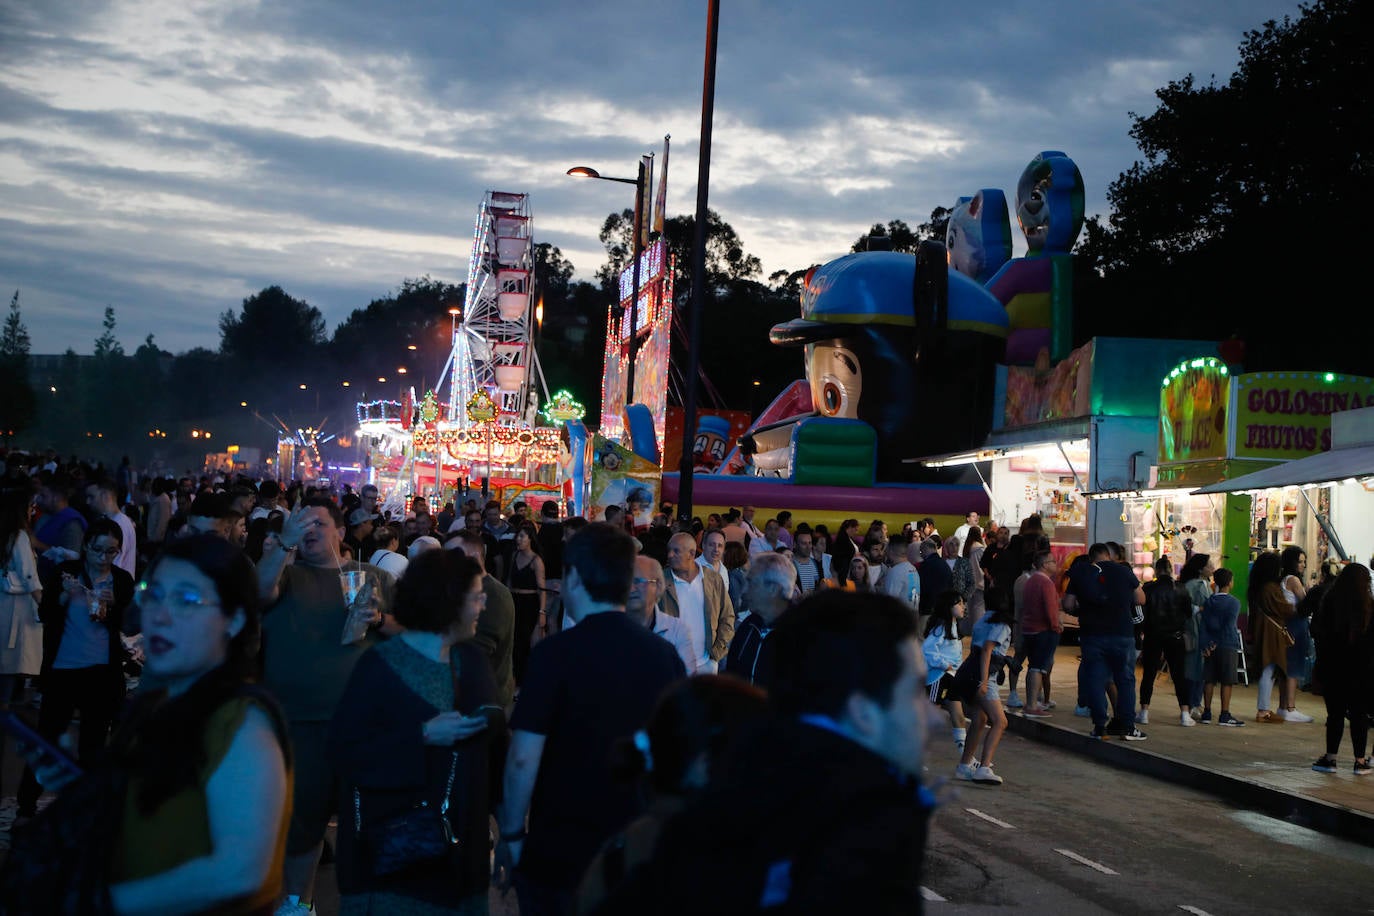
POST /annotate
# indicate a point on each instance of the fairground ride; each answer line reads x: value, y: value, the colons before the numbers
x: 479, y: 420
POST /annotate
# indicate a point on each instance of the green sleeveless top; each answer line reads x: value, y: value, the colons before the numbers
x: 179, y: 830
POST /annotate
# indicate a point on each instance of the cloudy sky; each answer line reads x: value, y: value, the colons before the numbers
x: 169, y: 157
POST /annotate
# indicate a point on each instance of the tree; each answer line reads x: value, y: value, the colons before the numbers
x: 726, y: 259
x: 552, y: 272
x: 14, y: 342
x: 1206, y: 223
x: 107, y: 346
x: 902, y: 237
x: 271, y: 321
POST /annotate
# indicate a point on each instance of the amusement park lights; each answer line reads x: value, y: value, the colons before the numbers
x: 562, y: 407
x: 637, y: 249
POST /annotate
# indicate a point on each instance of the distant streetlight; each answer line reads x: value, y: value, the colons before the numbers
x: 401, y: 370
x: 243, y: 403
x: 345, y: 384
x: 411, y: 347
x: 302, y: 386
x: 381, y: 378
x: 582, y: 171
x: 53, y: 389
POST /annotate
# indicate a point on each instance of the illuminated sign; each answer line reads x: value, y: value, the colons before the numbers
x: 1193, y: 411
x: 1283, y: 415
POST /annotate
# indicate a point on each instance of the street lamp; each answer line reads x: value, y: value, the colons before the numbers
x: 699, y: 292
x: 583, y: 171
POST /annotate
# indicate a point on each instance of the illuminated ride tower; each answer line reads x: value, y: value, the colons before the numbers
x: 482, y: 425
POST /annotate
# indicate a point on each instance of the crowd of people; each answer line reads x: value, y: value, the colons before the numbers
x: 606, y: 713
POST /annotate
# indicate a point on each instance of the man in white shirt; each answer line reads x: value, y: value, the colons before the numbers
x: 900, y: 579
x: 645, y: 589
x: 970, y: 521
x: 769, y: 542
x: 700, y: 601
x: 102, y: 497
x: 712, y: 555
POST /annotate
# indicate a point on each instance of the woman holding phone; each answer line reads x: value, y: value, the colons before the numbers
x: 83, y: 608
x: 415, y: 730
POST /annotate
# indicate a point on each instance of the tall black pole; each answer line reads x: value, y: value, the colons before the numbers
x: 689, y: 399
x: 636, y: 250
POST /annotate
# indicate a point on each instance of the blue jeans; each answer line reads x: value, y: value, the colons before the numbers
x: 1108, y: 657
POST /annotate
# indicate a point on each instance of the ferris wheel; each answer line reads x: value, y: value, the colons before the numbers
x: 492, y: 349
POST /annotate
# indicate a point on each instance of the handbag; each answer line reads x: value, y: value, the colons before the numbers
x: 1287, y: 636
x: 410, y: 839
x: 413, y: 838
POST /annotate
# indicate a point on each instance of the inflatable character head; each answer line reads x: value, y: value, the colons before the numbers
x: 1049, y: 203
x: 979, y: 234
x: 867, y: 330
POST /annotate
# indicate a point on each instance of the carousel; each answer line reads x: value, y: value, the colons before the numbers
x: 478, y: 431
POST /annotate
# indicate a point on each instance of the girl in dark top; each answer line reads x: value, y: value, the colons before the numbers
x: 414, y: 726
x: 1343, y: 627
x: 525, y: 579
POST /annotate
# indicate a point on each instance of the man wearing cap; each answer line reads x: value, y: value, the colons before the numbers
x: 360, y: 527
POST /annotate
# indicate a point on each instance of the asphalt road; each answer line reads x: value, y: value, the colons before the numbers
x: 1066, y: 835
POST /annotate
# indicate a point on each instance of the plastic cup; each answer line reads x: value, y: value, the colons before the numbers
x: 351, y: 581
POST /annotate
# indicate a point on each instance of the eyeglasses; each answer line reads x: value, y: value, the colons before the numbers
x: 180, y: 601
x: 104, y: 551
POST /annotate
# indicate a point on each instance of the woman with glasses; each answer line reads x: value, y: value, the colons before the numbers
x: 195, y: 781
x: 83, y: 609
x: 413, y: 738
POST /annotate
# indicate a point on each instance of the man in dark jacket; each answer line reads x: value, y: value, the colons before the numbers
x: 822, y: 810
x: 772, y: 583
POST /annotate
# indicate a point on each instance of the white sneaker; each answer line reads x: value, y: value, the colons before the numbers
x: 986, y: 776
x: 1142, y: 717
x: 965, y: 771
x: 1186, y: 720
x: 1293, y: 715
x: 1014, y: 701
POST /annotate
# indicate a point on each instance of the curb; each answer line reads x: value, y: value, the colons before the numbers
x: 1245, y: 793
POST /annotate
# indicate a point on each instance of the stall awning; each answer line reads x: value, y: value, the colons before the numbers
x: 1335, y: 466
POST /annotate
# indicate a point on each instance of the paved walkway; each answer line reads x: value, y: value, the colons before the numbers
x: 1259, y: 766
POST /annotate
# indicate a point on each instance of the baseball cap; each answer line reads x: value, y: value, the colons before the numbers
x: 420, y: 545
x: 358, y: 516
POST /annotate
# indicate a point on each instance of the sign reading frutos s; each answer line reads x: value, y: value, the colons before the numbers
x: 1281, y: 415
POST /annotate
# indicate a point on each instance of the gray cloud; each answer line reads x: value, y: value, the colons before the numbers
x: 170, y: 158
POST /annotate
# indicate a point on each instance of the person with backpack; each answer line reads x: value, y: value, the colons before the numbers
x: 1168, y: 612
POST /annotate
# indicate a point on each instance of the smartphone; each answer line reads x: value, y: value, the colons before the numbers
x: 40, y: 752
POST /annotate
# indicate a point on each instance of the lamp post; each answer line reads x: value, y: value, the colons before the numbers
x: 689, y: 396
x: 636, y: 249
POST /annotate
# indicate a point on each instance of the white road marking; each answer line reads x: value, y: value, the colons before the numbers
x: 1194, y: 910
x: 928, y: 894
x: 989, y: 818
x: 1305, y: 838
x: 1069, y: 853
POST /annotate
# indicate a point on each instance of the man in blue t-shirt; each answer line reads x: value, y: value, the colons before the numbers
x: 1104, y: 594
